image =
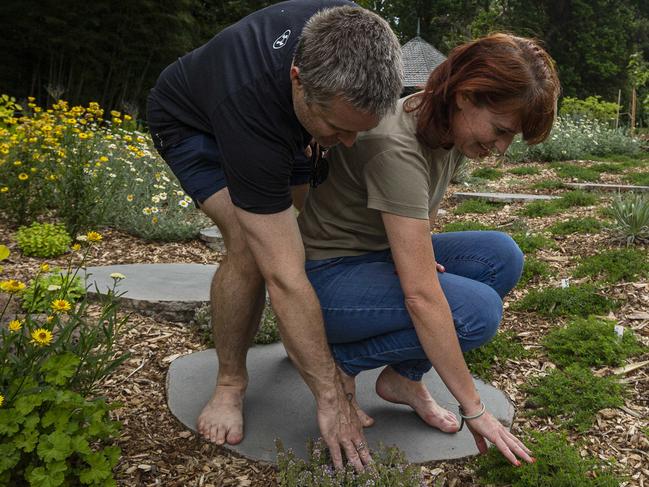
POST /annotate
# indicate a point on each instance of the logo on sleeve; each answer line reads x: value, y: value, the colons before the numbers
x: 282, y: 40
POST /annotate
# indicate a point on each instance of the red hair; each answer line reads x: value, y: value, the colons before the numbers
x: 501, y: 72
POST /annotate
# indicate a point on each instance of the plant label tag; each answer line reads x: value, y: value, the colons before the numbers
x: 619, y: 331
x: 565, y: 283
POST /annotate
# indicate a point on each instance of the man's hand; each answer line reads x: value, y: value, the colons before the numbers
x: 342, y: 431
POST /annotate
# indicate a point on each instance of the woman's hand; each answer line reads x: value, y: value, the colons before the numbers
x: 440, y: 267
x: 488, y: 427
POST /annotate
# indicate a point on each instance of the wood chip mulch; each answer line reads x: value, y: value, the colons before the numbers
x: 158, y: 451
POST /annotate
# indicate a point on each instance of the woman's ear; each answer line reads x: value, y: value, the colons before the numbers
x: 462, y: 100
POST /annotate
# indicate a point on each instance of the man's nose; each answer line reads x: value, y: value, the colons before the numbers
x: 347, y: 138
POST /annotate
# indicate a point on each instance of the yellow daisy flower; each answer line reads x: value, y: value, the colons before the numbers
x: 2, y: 399
x: 4, y: 189
x: 41, y: 337
x: 15, y: 325
x: 12, y: 286
x: 45, y: 267
x: 23, y: 176
x: 94, y: 237
x: 60, y: 305
x: 130, y: 197
x: 49, y: 319
x: 76, y: 247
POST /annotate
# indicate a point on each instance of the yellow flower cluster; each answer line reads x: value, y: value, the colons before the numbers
x: 12, y: 286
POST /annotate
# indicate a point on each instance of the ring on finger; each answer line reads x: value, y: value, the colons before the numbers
x: 361, y: 446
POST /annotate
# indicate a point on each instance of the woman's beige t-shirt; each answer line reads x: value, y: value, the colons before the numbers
x: 386, y: 170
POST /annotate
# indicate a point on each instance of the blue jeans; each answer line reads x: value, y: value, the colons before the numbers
x: 366, y: 320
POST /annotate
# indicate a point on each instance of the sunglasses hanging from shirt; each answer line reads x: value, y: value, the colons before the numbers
x: 319, y: 165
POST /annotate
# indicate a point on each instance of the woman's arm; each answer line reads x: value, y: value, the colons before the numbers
x: 414, y: 259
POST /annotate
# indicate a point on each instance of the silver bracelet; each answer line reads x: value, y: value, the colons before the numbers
x: 464, y: 417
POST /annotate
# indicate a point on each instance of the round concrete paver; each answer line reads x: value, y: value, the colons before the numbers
x: 169, y: 291
x: 280, y: 405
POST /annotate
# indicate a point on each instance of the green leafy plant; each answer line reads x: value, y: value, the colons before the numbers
x: 533, y: 268
x: 477, y: 206
x: 608, y: 167
x: 590, y: 342
x: 577, y: 197
x: 573, y: 396
x: 390, y: 469
x: 576, y: 225
x: 558, y: 464
x: 54, y: 431
x: 615, y: 265
x: 537, y: 209
x: 524, y: 171
x: 48, y: 287
x: 593, y: 108
x: 631, y: 218
x: 466, y: 227
x: 43, y: 240
x: 487, y: 173
x: 531, y: 242
x: 638, y: 178
x: 580, y: 300
x: 502, y: 347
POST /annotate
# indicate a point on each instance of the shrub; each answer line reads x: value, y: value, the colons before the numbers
x: 573, y: 396
x: 631, y: 218
x: 43, y: 240
x: 466, y: 226
x: 48, y: 287
x: 572, y: 171
x: 615, y: 265
x: 576, y: 225
x: 580, y: 300
x: 524, y: 171
x: 530, y: 242
x: 548, y: 184
x: 52, y: 433
x: 558, y: 464
x: 575, y: 140
x: 390, y: 469
x: 590, y: 342
x: 487, y: 173
x: 502, y: 347
x: 533, y: 268
x: 592, y: 108
x: 477, y: 206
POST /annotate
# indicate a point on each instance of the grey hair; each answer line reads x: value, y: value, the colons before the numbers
x: 350, y: 52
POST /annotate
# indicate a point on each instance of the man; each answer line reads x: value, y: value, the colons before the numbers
x: 233, y: 120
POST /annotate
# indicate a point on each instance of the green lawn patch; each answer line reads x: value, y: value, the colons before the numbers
x: 573, y: 171
x: 532, y: 269
x: 615, y: 265
x: 548, y: 184
x: 638, y: 178
x: 580, y: 300
x: 466, y: 226
x: 531, y: 242
x: 573, y: 396
x: 537, y: 209
x: 487, y: 173
x: 558, y: 464
x: 576, y: 225
x: 591, y: 342
x: 502, y: 347
x: 477, y: 206
x: 577, y: 197
x: 608, y: 167
x: 524, y: 171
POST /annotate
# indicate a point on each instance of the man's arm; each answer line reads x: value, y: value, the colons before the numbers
x: 277, y: 247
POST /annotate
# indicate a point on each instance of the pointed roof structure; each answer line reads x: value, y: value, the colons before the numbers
x: 419, y: 60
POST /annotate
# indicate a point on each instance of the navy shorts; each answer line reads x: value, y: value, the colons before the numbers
x: 196, y: 162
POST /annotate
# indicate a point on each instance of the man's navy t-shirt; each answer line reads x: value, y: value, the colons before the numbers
x: 237, y: 87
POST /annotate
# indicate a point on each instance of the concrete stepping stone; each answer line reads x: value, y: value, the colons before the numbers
x: 504, y: 197
x: 607, y: 187
x: 280, y: 405
x: 168, y: 291
x: 213, y: 238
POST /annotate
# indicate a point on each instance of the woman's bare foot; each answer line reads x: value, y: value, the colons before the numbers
x: 397, y: 389
x: 349, y: 386
x: 221, y: 420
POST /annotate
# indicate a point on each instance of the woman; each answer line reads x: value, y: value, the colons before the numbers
x: 366, y: 230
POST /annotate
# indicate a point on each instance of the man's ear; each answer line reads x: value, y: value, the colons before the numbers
x: 295, y: 74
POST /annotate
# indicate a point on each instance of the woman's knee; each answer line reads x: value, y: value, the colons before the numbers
x: 506, y: 252
x: 480, y: 318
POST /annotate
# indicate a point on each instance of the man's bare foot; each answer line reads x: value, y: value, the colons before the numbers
x: 349, y: 386
x: 221, y: 420
x: 397, y: 389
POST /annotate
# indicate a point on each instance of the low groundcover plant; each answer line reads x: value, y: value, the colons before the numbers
x: 53, y: 430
